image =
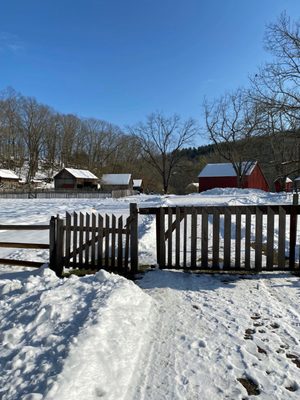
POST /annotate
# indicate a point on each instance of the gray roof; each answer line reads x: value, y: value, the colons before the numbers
x: 224, y: 169
x: 116, y: 179
x: 81, y: 173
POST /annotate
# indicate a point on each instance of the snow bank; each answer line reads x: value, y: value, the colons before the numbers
x: 72, y: 338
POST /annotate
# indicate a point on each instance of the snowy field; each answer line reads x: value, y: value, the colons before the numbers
x: 170, y: 335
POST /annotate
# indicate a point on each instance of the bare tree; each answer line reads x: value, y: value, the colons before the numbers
x: 231, y: 123
x: 277, y: 83
x: 161, y: 138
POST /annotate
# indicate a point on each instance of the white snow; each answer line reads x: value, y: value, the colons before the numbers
x: 8, y: 174
x: 170, y: 335
x: 137, y: 182
x: 116, y: 179
x: 81, y: 173
x: 225, y: 169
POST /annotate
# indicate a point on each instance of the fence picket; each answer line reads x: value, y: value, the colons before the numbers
x: 238, y: 239
x: 258, y: 239
x: 281, y: 238
x: 93, y: 241
x: 113, y: 241
x: 293, y: 233
x: 68, y: 239
x: 75, y: 232
x: 270, y: 239
x: 184, y: 237
x: 204, y: 239
x: 170, y: 248
x: 227, y: 239
x: 87, y: 238
x: 216, y: 239
x: 177, y: 238
x: 120, y: 243
x: 248, y: 219
x: 81, y: 223
x: 193, y: 238
x: 100, y: 242
x: 106, y: 241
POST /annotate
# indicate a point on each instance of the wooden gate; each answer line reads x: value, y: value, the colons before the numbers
x: 91, y: 241
x: 227, y: 238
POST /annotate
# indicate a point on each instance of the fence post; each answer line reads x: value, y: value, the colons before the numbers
x: 52, y: 242
x: 295, y: 199
x: 59, y: 262
x: 134, y: 237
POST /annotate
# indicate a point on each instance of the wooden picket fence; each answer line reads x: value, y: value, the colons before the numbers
x: 227, y: 238
x: 91, y: 241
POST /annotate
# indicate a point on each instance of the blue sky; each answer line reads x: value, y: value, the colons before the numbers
x: 120, y: 60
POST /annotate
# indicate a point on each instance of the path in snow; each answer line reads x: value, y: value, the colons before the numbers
x: 213, y: 330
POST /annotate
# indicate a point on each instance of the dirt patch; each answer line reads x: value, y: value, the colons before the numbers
x: 250, y: 386
x: 262, y: 351
x: 295, y: 359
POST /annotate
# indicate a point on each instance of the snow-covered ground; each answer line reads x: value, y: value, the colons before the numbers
x: 170, y: 335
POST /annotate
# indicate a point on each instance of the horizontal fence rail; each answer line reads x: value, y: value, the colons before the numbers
x: 23, y: 245
x: 64, y: 194
x: 228, y: 238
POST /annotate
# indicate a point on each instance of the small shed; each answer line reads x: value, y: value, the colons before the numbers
x: 8, y: 178
x: 223, y: 175
x: 111, y: 182
x: 71, y: 178
x: 288, y: 184
x: 138, y: 185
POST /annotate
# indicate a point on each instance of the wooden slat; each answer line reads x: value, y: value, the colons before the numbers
x: 170, y: 247
x: 177, y: 238
x: 24, y: 227
x: 80, y: 254
x: 281, y: 238
x: 33, y: 264
x: 120, y: 243
x: 162, y: 246
x: 75, y: 233
x: 100, y: 242
x: 134, y: 256
x: 238, y: 239
x: 184, y: 237
x: 87, y: 238
x: 194, y: 238
x: 204, y: 239
x: 258, y: 239
x: 113, y: 241
x: 216, y: 239
x: 68, y: 239
x: 93, y: 240
x: 270, y: 239
x: 227, y: 239
x: 16, y: 245
x: 293, y: 233
x: 106, y: 256
x: 127, y: 238
x: 248, y: 240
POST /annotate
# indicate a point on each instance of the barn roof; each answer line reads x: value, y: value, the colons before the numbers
x: 80, y: 173
x: 8, y: 174
x: 116, y: 179
x: 137, y: 182
x: 224, y: 169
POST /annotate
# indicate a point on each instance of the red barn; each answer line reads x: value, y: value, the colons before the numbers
x: 223, y: 175
x: 288, y: 185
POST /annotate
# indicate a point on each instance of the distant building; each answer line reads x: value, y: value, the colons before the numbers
x: 288, y: 185
x: 138, y: 185
x: 71, y: 178
x: 111, y: 182
x: 223, y: 175
x: 8, y: 178
x: 192, y: 187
